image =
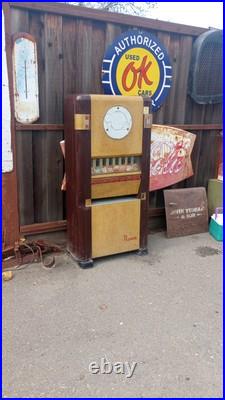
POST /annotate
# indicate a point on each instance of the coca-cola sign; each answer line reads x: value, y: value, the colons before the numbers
x: 170, y: 156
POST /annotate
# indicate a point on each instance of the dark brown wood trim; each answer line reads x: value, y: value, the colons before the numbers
x: 78, y: 179
x: 24, y: 35
x: 144, y: 186
x: 43, y: 227
x: 60, y: 127
x: 39, y: 127
x: 9, y: 179
x: 156, y: 212
x: 198, y: 127
x: 55, y: 226
x: 121, y: 19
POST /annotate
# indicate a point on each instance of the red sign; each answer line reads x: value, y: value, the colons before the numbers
x: 170, y: 156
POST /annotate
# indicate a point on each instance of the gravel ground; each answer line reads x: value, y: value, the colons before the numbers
x: 162, y: 311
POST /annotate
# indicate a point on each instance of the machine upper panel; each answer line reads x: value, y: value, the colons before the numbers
x: 116, y: 125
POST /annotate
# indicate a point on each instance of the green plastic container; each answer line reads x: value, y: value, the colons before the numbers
x: 216, y: 227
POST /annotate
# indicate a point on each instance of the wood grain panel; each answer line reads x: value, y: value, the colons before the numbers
x: 39, y: 137
x: 144, y: 187
x: 120, y: 233
x: 184, y: 59
x: 70, y: 55
x: 78, y: 163
x: 24, y: 149
x: 84, y: 55
x: 10, y: 209
x: 159, y: 116
x: 115, y: 18
x: 71, y: 42
x: 53, y: 114
x: 98, y: 46
x: 112, y: 32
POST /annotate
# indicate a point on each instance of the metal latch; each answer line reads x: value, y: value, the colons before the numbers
x: 88, y: 203
x: 147, y: 120
x: 82, y: 122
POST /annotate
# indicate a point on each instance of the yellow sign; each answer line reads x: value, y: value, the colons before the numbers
x: 137, y: 73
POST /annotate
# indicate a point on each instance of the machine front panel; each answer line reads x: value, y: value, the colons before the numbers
x: 115, y: 226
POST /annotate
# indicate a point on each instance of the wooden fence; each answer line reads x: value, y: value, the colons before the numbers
x: 71, y: 42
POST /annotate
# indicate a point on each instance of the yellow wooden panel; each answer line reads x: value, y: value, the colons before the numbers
x: 115, y: 227
x: 112, y: 189
x: 101, y: 144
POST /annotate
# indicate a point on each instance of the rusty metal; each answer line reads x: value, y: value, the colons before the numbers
x: 28, y: 252
x: 186, y: 211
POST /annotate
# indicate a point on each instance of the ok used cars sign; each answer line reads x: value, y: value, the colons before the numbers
x: 137, y: 64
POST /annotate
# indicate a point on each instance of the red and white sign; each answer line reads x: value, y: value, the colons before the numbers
x: 170, y: 156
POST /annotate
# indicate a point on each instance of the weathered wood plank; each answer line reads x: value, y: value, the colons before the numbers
x: 84, y: 54
x: 10, y: 211
x: 60, y: 127
x: 159, y: 116
x: 40, y: 127
x: 69, y: 55
x: 24, y: 153
x: 115, y: 18
x: 44, y: 227
x: 70, y: 52
x: 184, y: 59
x: 171, y: 102
x: 53, y: 173
x: 112, y: 31
x: 98, y: 43
x: 39, y: 137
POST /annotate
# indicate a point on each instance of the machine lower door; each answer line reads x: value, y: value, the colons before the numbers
x: 115, y: 226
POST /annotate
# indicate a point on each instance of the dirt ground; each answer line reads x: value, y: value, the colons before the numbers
x: 162, y: 311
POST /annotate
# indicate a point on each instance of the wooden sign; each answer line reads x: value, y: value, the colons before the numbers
x: 25, y: 78
x: 186, y: 211
x: 170, y: 160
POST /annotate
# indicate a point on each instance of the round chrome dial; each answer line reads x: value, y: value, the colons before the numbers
x: 117, y: 122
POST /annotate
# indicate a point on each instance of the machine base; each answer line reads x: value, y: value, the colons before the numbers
x: 82, y: 263
x: 86, y: 264
x: 142, y: 252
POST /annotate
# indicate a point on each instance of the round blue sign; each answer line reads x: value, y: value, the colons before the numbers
x: 136, y: 63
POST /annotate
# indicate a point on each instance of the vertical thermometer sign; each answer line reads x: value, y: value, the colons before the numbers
x: 25, y: 78
x: 137, y: 64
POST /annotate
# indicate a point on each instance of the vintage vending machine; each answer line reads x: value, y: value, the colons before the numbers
x: 107, y: 147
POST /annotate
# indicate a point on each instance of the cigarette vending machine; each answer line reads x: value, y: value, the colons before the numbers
x: 107, y: 147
